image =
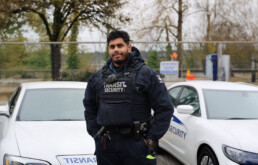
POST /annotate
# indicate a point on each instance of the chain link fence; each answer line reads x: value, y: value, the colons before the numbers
x: 77, y: 60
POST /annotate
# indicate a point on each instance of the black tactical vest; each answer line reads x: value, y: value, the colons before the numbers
x: 119, y: 101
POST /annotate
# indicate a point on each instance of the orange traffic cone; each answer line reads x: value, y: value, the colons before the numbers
x: 189, y: 76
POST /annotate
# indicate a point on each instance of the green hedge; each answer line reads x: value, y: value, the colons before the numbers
x: 76, y: 75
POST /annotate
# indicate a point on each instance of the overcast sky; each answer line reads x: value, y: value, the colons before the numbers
x: 141, y: 12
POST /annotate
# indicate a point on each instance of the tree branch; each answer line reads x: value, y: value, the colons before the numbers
x: 71, y: 24
x: 68, y: 11
x: 172, y: 33
x: 173, y: 7
x: 43, y: 18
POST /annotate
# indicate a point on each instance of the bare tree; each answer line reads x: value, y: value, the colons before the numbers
x: 226, y: 20
x: 166, y: 23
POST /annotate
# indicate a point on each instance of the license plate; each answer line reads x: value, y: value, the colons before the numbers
x: 77, y: 159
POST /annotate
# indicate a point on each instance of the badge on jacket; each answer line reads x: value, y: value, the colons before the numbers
x: 160, y: 79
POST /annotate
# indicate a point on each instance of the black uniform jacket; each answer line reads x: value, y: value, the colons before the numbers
x: 148, y: 82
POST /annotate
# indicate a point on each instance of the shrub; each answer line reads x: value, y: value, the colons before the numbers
x: 76, y: 75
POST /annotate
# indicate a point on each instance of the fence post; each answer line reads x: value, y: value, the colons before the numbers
x: 0, y: 64
x: 219, y: 61
x: 253, y: 70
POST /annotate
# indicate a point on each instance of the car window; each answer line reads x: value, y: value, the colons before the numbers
x: 189, y: 96
x: 173, y: 93
x: 52, y: 105
x: 13, y: 99
x: 231, y: 104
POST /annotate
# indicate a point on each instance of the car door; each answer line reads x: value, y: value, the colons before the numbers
x: 169, y: 139
x: 181, y: 123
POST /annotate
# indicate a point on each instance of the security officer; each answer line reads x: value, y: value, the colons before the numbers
x: 118, y: 102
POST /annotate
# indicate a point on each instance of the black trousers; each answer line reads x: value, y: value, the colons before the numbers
x: 122, y: 151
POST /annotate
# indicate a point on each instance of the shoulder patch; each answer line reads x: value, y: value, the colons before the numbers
x: 159, y: 79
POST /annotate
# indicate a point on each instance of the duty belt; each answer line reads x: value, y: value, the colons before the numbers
x: 136, y: 130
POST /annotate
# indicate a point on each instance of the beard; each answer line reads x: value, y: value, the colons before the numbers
x: 119, y: 62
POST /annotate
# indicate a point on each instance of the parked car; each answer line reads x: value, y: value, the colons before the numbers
x: 213, y: 123
x: 43, y: 124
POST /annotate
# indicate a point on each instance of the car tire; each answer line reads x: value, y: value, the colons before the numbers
x: 207, y: 157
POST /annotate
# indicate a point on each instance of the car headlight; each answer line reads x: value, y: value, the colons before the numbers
x: 16, y: 160
x: 239, y: 156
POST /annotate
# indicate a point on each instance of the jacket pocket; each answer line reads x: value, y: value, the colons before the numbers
x: 113, y: 113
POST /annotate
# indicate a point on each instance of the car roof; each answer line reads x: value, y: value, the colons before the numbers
x: 219, y: 85
x: 53, y: 84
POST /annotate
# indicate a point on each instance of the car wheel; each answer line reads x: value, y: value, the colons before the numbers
x: 207, y: 157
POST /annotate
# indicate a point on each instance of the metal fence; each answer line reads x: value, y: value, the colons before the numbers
x: 20, y: 60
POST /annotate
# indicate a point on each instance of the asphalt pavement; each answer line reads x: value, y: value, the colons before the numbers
x: 164, y: 158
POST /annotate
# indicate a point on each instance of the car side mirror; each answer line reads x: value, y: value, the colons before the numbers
x: 185, y: 109
x: 4, y: 110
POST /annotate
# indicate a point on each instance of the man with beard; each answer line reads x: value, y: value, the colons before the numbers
x: 118, y: 102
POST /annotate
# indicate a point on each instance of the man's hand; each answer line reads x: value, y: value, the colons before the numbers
x: 153, y: 146
x: 151, y: 143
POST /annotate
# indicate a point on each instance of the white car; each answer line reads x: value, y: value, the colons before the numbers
x: 43, y: 124
x: 213, y: 123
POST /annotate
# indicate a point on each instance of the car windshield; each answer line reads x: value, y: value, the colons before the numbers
x: 228, y: 104
x: 52, y: 105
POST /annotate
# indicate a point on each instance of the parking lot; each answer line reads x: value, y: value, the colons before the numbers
x: 164, y: 158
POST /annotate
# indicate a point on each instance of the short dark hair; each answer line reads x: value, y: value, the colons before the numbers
x: 118, y: 34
